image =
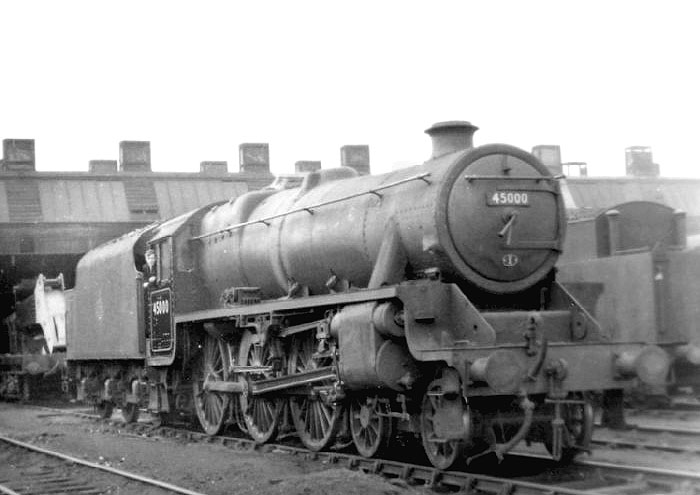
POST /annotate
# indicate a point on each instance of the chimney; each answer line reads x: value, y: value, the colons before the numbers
x: 639, y: 162
x: 18, y: 155
x: 550, y: 156
x: 213, y: 168
x: 451, y: 136
x: 102, y: 166
x: 135, y: 156
x: 254, y: 158
x: 575, y: 169
x: 304, y: 166
x: 355, y: 156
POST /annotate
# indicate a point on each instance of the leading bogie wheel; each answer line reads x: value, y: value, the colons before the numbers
x: 370, y: 425
x: 441, y: 453
x: 316, y: 418
x: 213, y: 366
x: 578, y: 428
x: 261, y: 415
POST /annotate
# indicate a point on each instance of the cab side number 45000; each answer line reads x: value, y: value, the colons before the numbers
x: 161, y: 307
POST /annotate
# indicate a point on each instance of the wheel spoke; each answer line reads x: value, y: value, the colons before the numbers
x: 321, y: 420
x: 371, y: 435
x: 325, y: 417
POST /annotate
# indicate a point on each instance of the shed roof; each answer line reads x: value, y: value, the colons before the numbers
x: 594, y: 194
x: 83, y: 197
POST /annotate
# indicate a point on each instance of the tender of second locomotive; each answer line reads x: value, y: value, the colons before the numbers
x: 419, y: 303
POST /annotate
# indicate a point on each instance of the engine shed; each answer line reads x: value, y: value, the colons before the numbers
x: 49, y: 220
x: 588, y: 196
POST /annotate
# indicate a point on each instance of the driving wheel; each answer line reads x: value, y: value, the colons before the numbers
x: 210, y: 406
x: 315, y: 415
x: 261, y: 415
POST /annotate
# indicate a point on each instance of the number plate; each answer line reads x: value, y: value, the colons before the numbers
x: 508, y: 198
x: 161, y: 321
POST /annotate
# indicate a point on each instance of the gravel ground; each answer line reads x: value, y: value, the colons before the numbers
x: 214, y: 469
x: 207, y: 468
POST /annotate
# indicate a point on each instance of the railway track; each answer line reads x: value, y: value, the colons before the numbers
x: 648, y: 416
x: 654, y: 430
x: 587, y: 477
x: 32, y: 470
x: 674, y: 405
x: 652, y: 438
x: 685, y: 403
x: 632, y: 479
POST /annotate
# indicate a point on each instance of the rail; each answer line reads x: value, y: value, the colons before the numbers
x: 617, y: 478
x: 74, y: 460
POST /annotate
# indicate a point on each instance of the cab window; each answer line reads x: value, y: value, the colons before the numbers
x: 165, y: 261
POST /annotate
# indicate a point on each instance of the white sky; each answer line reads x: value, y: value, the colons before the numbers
x: 198, y: 78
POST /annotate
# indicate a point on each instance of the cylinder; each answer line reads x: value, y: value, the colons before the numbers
x: 366, y: 359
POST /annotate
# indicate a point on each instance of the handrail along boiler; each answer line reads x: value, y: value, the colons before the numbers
x: 417, y: 303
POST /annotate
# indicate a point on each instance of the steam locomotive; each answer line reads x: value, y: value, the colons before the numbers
x: 421, y: 303
x: 36, y: 334
x: 633, y: 267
